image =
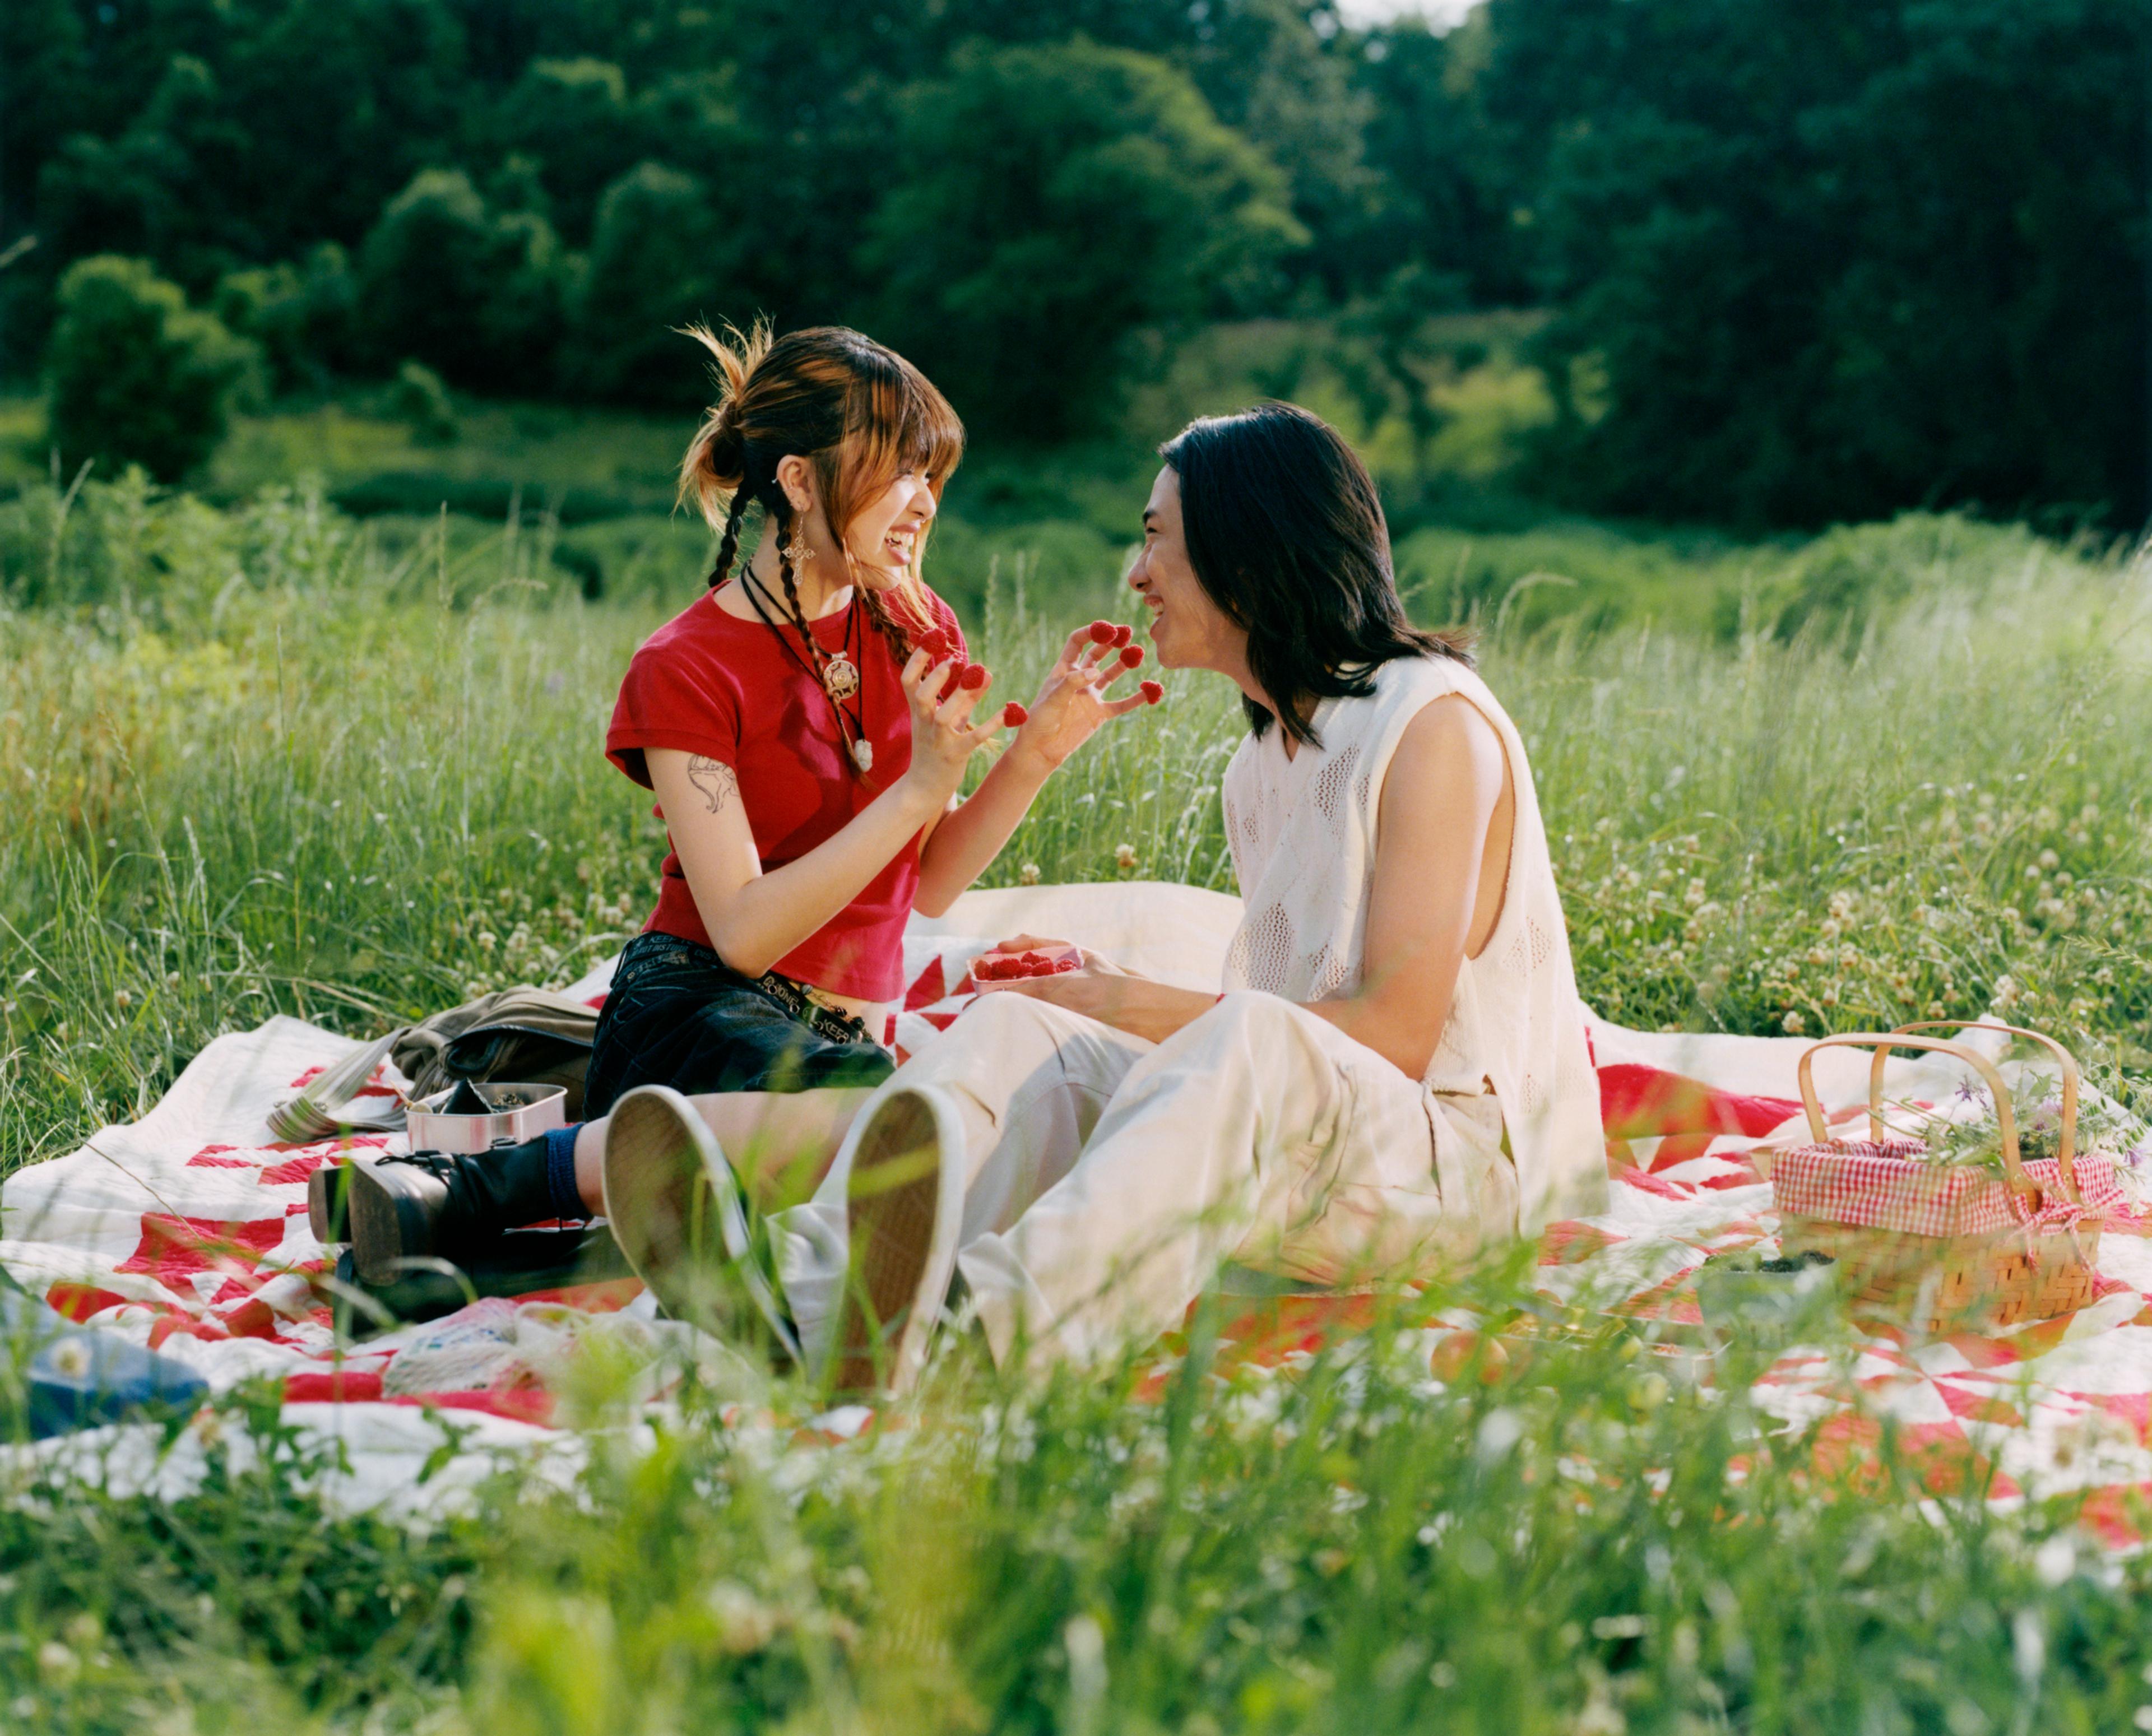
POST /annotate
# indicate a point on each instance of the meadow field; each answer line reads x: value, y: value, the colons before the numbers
x: 264, y: 756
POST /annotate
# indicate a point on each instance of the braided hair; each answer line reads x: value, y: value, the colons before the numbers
x: 859, y: 413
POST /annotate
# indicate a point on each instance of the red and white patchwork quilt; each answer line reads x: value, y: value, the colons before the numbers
x: 187, y: 1232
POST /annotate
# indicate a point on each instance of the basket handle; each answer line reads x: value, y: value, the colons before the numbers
x: 2066, y: 1150
x: 1883, y: 1043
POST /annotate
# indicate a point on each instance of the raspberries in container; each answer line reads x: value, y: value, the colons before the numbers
x: 990, y: 970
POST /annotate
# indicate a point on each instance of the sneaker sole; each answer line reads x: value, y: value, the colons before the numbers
x: 894, y: 1209
x: 675, y: 1208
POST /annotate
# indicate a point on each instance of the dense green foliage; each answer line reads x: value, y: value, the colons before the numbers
x: 1120, y: 202
x: 1818, y: 260
x: 138, y: 377
x: 1811, y: 262
x: 271, y: 759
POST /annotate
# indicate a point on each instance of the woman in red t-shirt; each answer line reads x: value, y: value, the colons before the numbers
x: 806, y: 726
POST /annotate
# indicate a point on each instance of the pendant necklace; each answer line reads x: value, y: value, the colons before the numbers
x: 839, y: 675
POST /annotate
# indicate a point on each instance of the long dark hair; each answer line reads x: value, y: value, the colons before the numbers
x: 1287, y: 537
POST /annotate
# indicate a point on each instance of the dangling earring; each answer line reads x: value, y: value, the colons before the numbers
x: 797, y: 551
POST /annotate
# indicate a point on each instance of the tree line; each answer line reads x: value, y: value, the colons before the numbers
x: 1804, y: 262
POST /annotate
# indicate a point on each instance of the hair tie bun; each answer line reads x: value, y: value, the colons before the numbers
x: 726, y: 456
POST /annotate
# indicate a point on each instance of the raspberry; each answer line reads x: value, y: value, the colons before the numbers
x: 1124, y: 633
x: 1062, y: 967
x: 1131, y: 656
x: 935, y: 643
x: 1014, y: 715
x: 1152, y: 691
x: 973, y: 678
x: 1035, y: 959
x: 1101, y: 632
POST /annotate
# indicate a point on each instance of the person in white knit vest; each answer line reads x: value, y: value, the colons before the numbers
x: 1396, y: 1072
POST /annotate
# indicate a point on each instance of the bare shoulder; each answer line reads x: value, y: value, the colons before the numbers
x: 1449, y: 740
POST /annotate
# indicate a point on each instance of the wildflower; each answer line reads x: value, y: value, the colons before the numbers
x: 1028, y: 875
x: 487, y: 940
x: 1124, y: 857
x: 122, y: 999
x: 2048, y: 860
x: 744, y: 1623
x: 1794, y: 1024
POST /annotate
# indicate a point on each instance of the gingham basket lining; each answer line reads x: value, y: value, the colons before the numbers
x: 1891, y: 1185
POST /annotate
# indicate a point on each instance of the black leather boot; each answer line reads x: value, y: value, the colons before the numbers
x: 430, y: 1203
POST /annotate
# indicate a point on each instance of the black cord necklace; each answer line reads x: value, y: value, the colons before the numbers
x: 842, y: 678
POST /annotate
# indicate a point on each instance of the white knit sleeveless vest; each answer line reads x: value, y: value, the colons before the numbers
x: 1302, y: 835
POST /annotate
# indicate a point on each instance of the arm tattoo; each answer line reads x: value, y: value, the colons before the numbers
x: 714, y: 778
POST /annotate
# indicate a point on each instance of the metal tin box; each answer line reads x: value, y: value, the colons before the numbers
x: 518, y: 1113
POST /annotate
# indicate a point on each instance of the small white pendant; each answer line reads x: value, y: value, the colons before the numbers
x: 863, y: 754
x: 840, y: 675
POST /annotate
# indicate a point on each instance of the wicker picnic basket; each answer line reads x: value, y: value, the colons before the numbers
x: 1938, y: 1245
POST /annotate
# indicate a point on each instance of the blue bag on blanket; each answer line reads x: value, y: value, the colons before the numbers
x: 56, y: 1376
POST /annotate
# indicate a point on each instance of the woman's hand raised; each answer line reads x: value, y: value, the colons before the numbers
x: 1072, y: 701
x: 943, y: 737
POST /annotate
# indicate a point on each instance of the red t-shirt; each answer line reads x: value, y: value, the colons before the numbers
x: 708, y: 683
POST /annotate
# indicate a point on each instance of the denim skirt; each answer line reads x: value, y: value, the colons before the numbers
x: 679, y: 1015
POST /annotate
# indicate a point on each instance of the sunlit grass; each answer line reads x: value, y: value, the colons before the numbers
x: 273, y: 761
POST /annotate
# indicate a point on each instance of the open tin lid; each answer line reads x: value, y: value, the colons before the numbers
x: 513, y: 1114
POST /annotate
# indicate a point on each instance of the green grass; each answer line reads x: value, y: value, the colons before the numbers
x: 274, y: 759
x: 600, y: 483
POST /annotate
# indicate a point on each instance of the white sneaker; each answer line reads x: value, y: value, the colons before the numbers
x: 683, y: 1221
x: 904, y: 1203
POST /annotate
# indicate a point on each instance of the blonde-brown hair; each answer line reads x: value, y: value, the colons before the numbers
x: 858, y: 412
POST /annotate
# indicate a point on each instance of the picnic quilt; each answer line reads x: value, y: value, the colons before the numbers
x: 187, y: 1232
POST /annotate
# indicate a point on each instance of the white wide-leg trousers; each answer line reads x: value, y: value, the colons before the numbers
x: 1108, y: 1178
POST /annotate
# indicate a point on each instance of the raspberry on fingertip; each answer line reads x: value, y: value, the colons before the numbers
x: 1014, y: 715
x: 1152, y: 691
x: 973, y: 678
x: 1101, y: 632
x: 1131, y: 656
x: 1122, y: 633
